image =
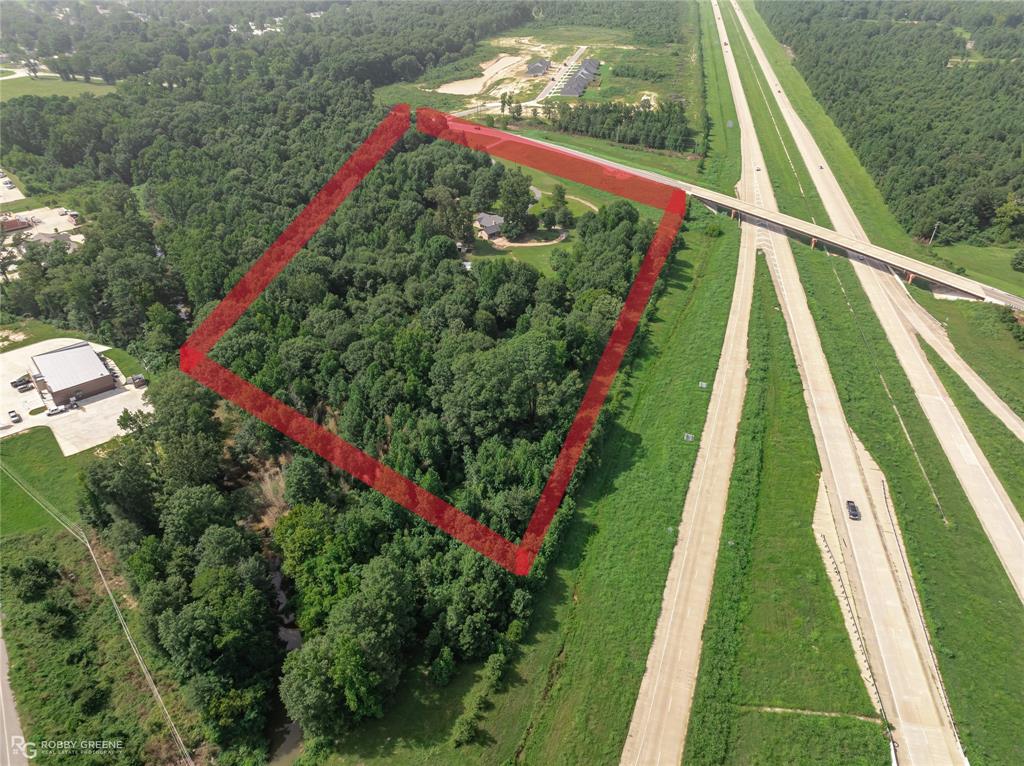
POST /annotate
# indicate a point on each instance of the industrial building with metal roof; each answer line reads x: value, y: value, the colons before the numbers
x: 73, y: 371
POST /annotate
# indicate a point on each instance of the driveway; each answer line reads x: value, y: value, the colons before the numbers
x: 92, y: 424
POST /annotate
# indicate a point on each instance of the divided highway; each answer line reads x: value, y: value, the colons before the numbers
x: 898, y: 313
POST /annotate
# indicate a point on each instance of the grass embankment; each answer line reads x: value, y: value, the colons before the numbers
x: 50, y: 86
x: 34, y: 459
x: 569, y: 695
x: 973, y: 614
x: 774, y: 636
x: 980, y: 334
x: 867, y: 202
x: 1004, y: 451
x: 71, y: 669
x: 126, y: 363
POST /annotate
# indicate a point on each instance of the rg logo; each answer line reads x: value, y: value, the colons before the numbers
x: 25, y: 748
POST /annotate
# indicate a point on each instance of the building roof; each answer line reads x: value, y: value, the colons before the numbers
x: 71, y: 366
x: 576, y: 85
x: 489, y: 219
x: 538, y: 67
x: 590, y: 66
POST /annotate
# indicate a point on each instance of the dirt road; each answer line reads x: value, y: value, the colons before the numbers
x: 882, y: 594
x: 895, y: 309
x: 657, y: 730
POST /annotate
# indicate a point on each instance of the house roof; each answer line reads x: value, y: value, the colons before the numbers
x: 590, y: 65
x: 540, y: 66
x: 71, y: 366
x: 575, y: 85
x: 489, y: 219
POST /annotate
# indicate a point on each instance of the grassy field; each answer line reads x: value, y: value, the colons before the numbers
x: 71, y: 669
x: 1002, y: 448
x: 775, y: 636
x: 569, y: 695
x: 867, y: 201
x: 50, y: 86
x: 126, y: 363
x: 973, y: 615
x: 981, y: 337
x: 34, y: 458
x: 415, y: 95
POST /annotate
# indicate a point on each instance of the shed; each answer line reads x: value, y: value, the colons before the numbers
x: 73, y: 371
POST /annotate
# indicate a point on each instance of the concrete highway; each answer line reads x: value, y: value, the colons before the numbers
x: 657, y: 729
x: 882, y: 592
x: 895, y: 309
x: 799, y: 228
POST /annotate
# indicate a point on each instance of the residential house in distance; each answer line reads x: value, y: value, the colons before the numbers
x: 538, y: 68
x: 488, y: 225
x: 578, y: 83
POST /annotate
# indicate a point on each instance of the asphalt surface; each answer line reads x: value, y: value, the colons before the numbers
x: 895, y: 309
x: 658, y: 727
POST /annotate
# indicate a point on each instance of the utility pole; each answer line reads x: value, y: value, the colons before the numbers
x: 933, y: 234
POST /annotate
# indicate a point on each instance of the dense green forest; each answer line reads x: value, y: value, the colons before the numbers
x: 931, y: 97
x: 654, y: 127
x: 463, y: 380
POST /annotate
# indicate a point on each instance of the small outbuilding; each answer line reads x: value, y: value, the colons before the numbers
x: 73, y: 371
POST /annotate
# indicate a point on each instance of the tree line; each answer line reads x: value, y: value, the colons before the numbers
x: 463, y: 381
x: 654, y: 127
x: 937, y: 125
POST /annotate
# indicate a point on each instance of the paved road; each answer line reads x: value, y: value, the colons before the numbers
x: 658, y: 728
x: 555, y: 80
x: 895, y: 308
x: 773, y: 219
x: 884, y: 601
x: 10, y: 725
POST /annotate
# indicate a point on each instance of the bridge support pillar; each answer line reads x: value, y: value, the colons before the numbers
x: 814, y: 242
x: 910, y: 278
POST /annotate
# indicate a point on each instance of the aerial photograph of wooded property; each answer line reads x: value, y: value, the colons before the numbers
x: 512, y: 382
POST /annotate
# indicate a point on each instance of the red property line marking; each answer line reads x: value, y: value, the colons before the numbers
x: 346, y: 456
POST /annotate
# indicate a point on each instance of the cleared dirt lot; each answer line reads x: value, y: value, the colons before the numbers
x: 93, y: 423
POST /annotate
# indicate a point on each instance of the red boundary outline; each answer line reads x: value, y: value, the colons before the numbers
x: 195, y: 360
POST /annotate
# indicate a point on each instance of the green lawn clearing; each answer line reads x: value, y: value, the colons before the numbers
x: 50, y: 86
x: 34, y: 459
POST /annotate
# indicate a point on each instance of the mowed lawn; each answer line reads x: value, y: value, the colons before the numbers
x: 775, y: 637
x: 1005, y: 452
x: 981, y: 336
x: 569, y: 695
x: 35, y: 460
x: 50, y: 86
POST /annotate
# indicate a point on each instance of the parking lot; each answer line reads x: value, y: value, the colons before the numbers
x: 92, y: 423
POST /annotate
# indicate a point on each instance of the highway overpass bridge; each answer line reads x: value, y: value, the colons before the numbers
x: 816, y: 235
x: 910, y: 268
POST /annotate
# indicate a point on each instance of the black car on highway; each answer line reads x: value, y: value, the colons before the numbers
x: 852, y: 510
